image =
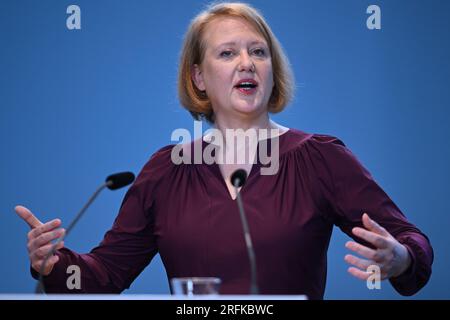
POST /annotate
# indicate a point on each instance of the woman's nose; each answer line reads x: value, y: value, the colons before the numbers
x: 246, y: 63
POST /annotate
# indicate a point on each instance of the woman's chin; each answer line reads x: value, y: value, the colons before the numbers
x: 247, y: 108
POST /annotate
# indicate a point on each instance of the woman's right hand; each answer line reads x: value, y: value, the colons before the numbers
x: 39, y: 240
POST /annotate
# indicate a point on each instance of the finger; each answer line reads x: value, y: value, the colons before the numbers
x: 372, y: 225
x: 27, y: 216
x: 49, y: 226
x: 361, y: 250
x: 43, y: 252
x: 48, y: 265
x: 362, y: 275
x: 358, y: 262
x: 45, y: 238
x: 371, y: 237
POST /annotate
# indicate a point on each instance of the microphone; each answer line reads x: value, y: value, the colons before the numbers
x: 112, y: 182
x: 119, y: 180
x: 238, y: 179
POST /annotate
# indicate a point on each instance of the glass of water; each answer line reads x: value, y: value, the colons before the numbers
x: 195, y: 286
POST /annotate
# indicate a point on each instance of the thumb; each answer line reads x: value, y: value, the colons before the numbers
x: 28, y: 216
x: 373, y: 226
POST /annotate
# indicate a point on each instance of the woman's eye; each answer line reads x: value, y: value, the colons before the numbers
x: 226, y: 54
x: 259, y: 52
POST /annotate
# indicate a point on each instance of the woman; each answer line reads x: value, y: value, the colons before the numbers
x: 233, y: 73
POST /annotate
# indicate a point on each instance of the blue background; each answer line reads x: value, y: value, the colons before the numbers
x: 77, y: 105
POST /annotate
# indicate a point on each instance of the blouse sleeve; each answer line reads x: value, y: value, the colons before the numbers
x: 127, y: 248
x: 350, y: 190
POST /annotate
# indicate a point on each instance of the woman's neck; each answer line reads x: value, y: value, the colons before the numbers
x: 261, y: 122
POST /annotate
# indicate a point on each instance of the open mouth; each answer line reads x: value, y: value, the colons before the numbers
x: 247, y: 86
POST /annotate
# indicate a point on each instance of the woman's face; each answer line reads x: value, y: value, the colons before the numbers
x: 235, y: 52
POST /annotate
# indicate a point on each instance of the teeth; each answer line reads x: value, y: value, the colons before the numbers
x: 246, y: 85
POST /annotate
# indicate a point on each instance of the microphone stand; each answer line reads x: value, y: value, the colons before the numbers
x: 248, y: 241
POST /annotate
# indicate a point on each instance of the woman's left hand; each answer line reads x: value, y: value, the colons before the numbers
x: 390, y: 255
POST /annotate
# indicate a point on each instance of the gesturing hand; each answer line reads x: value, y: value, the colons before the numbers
x: 390, y: 255
x: 39, y: 239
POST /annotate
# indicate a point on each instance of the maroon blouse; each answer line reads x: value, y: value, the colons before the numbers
x: 186, y: 214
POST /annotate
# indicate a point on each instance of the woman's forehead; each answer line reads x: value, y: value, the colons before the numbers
x: 228, y: 30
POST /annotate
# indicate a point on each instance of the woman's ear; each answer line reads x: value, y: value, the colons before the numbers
x: 197, y: 77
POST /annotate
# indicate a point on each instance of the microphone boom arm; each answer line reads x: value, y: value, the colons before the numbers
x: 40, y: 288
x: 112, y: 182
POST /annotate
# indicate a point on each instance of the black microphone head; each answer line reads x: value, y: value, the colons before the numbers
x: 119, y: 180
x: 239, y: 177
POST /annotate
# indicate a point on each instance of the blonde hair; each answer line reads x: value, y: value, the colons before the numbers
x: 196, y: 101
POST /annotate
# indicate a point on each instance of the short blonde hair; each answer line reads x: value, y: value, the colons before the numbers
x: 196, y: 101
